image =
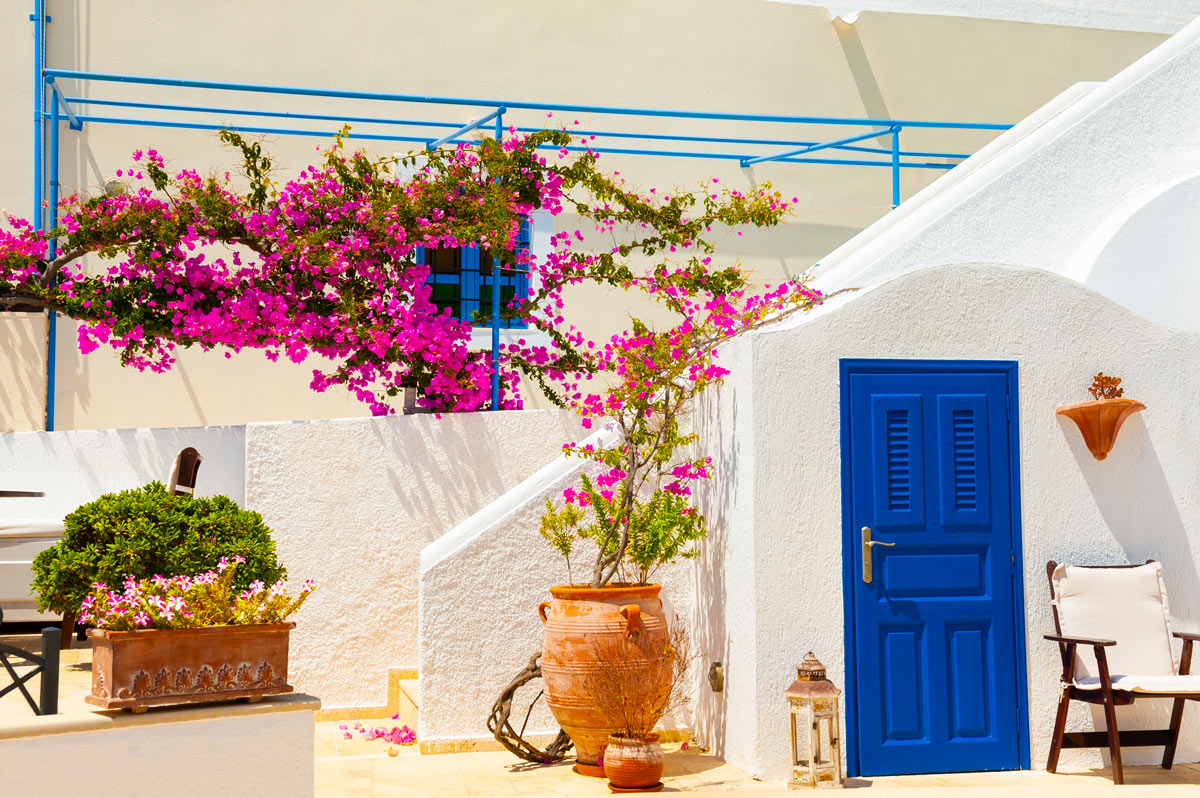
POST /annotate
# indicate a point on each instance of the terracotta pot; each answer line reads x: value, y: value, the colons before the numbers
x: 186, y: 666
x: 1100, y: 421
x: 633, y: 763
x: 580, y: 622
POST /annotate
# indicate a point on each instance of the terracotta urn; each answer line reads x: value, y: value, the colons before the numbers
x: 633, y: 763
x: 149, y: 667
x: 581, y: 623
x: 1099, y: 421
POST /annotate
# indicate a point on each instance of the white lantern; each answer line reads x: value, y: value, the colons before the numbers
x: 813, y: 726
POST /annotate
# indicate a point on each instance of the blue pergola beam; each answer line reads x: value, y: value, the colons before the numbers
x: 814, y: 147
x: 471, y: 101
x: 61, y: 101
x: 467, y: 128
x: 423, y: 123
x: 282, y: 131
x: 202, y: 109
x: 799, y: 151
x: 167, y: 123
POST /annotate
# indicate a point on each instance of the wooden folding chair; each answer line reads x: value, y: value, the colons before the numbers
x: 1121, y: 613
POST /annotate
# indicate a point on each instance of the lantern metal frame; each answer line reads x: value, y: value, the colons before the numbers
x: 814, y: 718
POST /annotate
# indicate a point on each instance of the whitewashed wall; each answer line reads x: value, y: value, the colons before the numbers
x: 1050, y: 194
x: 480, y: 586
x: 1141, y: 502
x: 73, y: 467
x: 723, y: 616
x: 1155, y: 240
x: 352, y: 502
x: 263, y: 751
x: 1161, y: 16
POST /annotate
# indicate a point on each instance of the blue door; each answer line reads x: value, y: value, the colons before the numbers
x: 935, y: 640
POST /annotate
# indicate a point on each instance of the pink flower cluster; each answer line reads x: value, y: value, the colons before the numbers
x: 396, y: 735
x: 175, y: 602
x: 327, y: 264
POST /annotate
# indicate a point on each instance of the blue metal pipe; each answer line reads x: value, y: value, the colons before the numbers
x: 739, y: 157
x: 51, y: 253
x: 465, y: 129
x: 39, y: 109
x: 814, y: 147
x: 39, y: 177
x: 896, y: 167
x: 722, y: 140
x: 388, y: 137
x: 435, y: 100
x: 422, y: 123
x: 59, y: 99
x: 114, y: 120
x: 496, y: 295
x: 247, y: 112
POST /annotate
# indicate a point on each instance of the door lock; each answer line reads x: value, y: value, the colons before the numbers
x: 867, y: 543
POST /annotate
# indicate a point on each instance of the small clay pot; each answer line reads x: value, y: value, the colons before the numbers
x: 633, y: 764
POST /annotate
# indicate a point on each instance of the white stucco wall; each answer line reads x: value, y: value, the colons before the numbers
x: 723, y: 576
x: 1145, y: 254
x: 1141, y: 502
x: 480, y: 586
x: 1160, y: 16
x: 1040, y: 194
x: 353, y: 502
x: 73, y: 467
x: 263, y: 755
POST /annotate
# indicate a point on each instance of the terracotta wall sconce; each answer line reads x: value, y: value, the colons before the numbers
x: 1100, y: 421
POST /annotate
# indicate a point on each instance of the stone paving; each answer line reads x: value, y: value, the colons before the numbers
x: 498, y: 774
x: 359, y: 768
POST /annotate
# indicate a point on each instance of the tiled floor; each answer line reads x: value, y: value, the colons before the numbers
x: 498, y: 774
x: 74, y: 678
x: 358, y: 768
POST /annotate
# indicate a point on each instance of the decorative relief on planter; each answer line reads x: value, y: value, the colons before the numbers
x: 183, y: 683
x: 177, y: 666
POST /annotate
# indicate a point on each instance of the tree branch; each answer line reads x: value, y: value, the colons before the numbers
x: 23, y: 303
x: 62, y: 260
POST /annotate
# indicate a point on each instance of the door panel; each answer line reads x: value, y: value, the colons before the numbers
x: 934, y: 632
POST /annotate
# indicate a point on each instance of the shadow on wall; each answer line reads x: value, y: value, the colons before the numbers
x: 1134, y: 497
x: 708, y: 621
x: 439, y: 486
x: 22, y: 392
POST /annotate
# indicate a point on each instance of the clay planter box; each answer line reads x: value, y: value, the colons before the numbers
x: 150, y: 667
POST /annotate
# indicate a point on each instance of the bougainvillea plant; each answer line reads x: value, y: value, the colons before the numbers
x: 329, y: 262
x: 182, y: 602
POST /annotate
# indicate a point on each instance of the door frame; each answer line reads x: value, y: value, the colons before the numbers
x: 1007, y: 368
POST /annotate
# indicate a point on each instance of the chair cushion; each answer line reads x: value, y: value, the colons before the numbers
x: 1128, y: 605
x: 1145, y: 684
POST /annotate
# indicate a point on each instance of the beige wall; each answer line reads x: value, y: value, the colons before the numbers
x: 742, y: 55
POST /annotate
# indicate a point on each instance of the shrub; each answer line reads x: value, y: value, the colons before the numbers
x: 145, y: 532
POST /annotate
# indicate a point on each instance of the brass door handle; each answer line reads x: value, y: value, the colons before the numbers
x: 867, y: 543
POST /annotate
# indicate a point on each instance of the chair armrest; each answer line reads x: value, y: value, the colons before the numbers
x: 1082, y: 641
x: 1195, y: 636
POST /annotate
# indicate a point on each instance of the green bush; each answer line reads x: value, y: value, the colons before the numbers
x: 146, y: 531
